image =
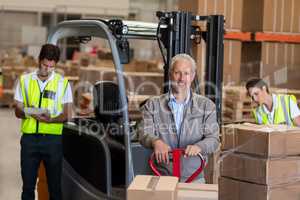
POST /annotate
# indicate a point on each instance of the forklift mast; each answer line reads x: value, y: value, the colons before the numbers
x: 178, y: 36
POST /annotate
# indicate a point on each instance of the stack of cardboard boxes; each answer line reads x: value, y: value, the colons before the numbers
x: 276, y: 62
x: 260, y: 162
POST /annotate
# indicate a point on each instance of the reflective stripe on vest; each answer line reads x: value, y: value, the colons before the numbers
x: 50, y: 98
x: 282, y: 114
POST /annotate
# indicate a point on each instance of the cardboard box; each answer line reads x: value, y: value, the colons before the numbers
x: 230, y: 189
x: 252, y: 15
x: 250, y: 60
x: 296, y: 18
x: 280, y: 64
x: 232, y: 62
x: 261, y: 140
x: 281, y: 16
x: 241, y: 61
x: 227, y: 139
x: 259, y: 170
x: 152, y: 188
x: 145, y: 187
x: 194, y: 191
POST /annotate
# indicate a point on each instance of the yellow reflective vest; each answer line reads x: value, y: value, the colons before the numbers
x: 282, y: 112
x: 50, y: 98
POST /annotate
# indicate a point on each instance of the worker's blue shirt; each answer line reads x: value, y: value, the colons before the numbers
x: 177, y: 109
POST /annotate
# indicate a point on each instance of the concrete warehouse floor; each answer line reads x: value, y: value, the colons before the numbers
x: 10, y: 176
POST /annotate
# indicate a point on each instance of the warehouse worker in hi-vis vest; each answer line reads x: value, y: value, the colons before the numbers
x: 272, y: 108
x: 43, y: 101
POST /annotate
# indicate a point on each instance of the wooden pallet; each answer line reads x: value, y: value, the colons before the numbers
x: 235, y: 93
x: 237, y: 104
x: 238, y: 114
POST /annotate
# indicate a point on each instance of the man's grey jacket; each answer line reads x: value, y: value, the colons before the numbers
x: 199, y: 127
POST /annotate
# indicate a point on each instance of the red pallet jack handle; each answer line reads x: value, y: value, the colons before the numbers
x: 177, y: 153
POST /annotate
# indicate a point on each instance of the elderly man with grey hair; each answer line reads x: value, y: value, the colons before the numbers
x: 180, y: 119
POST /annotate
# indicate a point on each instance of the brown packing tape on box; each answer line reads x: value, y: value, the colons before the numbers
x: 152, y: 188
x: 259, y: 170
x: 230, y: 189
x: 196, y: 191
x: 262, y: 140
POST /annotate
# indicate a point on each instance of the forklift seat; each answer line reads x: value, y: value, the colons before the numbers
x: 108, y: 112
x: 107, y: 102
x: 89, y: 157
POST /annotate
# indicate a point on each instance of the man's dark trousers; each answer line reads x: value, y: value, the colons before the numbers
x: 34, y: 149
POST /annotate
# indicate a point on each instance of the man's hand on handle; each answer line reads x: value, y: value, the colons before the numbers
x: 161, y: 151
x: 192, y: 150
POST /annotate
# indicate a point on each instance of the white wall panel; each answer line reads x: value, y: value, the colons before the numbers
x: 107, y: 7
